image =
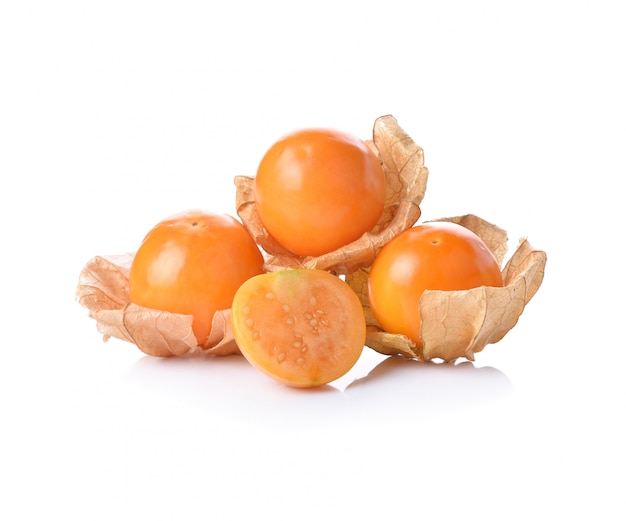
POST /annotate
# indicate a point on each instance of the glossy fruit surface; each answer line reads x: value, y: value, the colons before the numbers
x: 193, y: 263
x: 302, y: 327
x: 431, y: 256
x: 319, y: 189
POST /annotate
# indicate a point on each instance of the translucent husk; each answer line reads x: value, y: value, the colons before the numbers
x: 405, y: 176
x: 455, y: 324
x: 459, y: 324
x: 103, y: 290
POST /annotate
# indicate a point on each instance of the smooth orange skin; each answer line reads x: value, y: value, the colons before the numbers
x: 301, y: 327
x: 319, y: 189
x: 432, y: 256
x: 193, y: 263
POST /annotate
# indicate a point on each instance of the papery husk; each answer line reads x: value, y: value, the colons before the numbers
x: 459, y: 324
x: 103, y: 290
x: 405, y: 176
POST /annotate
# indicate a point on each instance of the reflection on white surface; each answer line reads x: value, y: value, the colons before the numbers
x: 379, y: 389
x: 399, y: 388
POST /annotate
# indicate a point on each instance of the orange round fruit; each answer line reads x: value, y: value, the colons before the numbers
x: 302, y: 327
x: 192, y: 263
x: 431, y: 256
x: 319, y: 189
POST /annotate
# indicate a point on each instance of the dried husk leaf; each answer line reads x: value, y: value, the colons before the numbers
x: 459, y: 324
x: 406, y: 177
x: 103, y: 290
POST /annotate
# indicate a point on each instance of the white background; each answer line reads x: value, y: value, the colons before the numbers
x: 116, y: 114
